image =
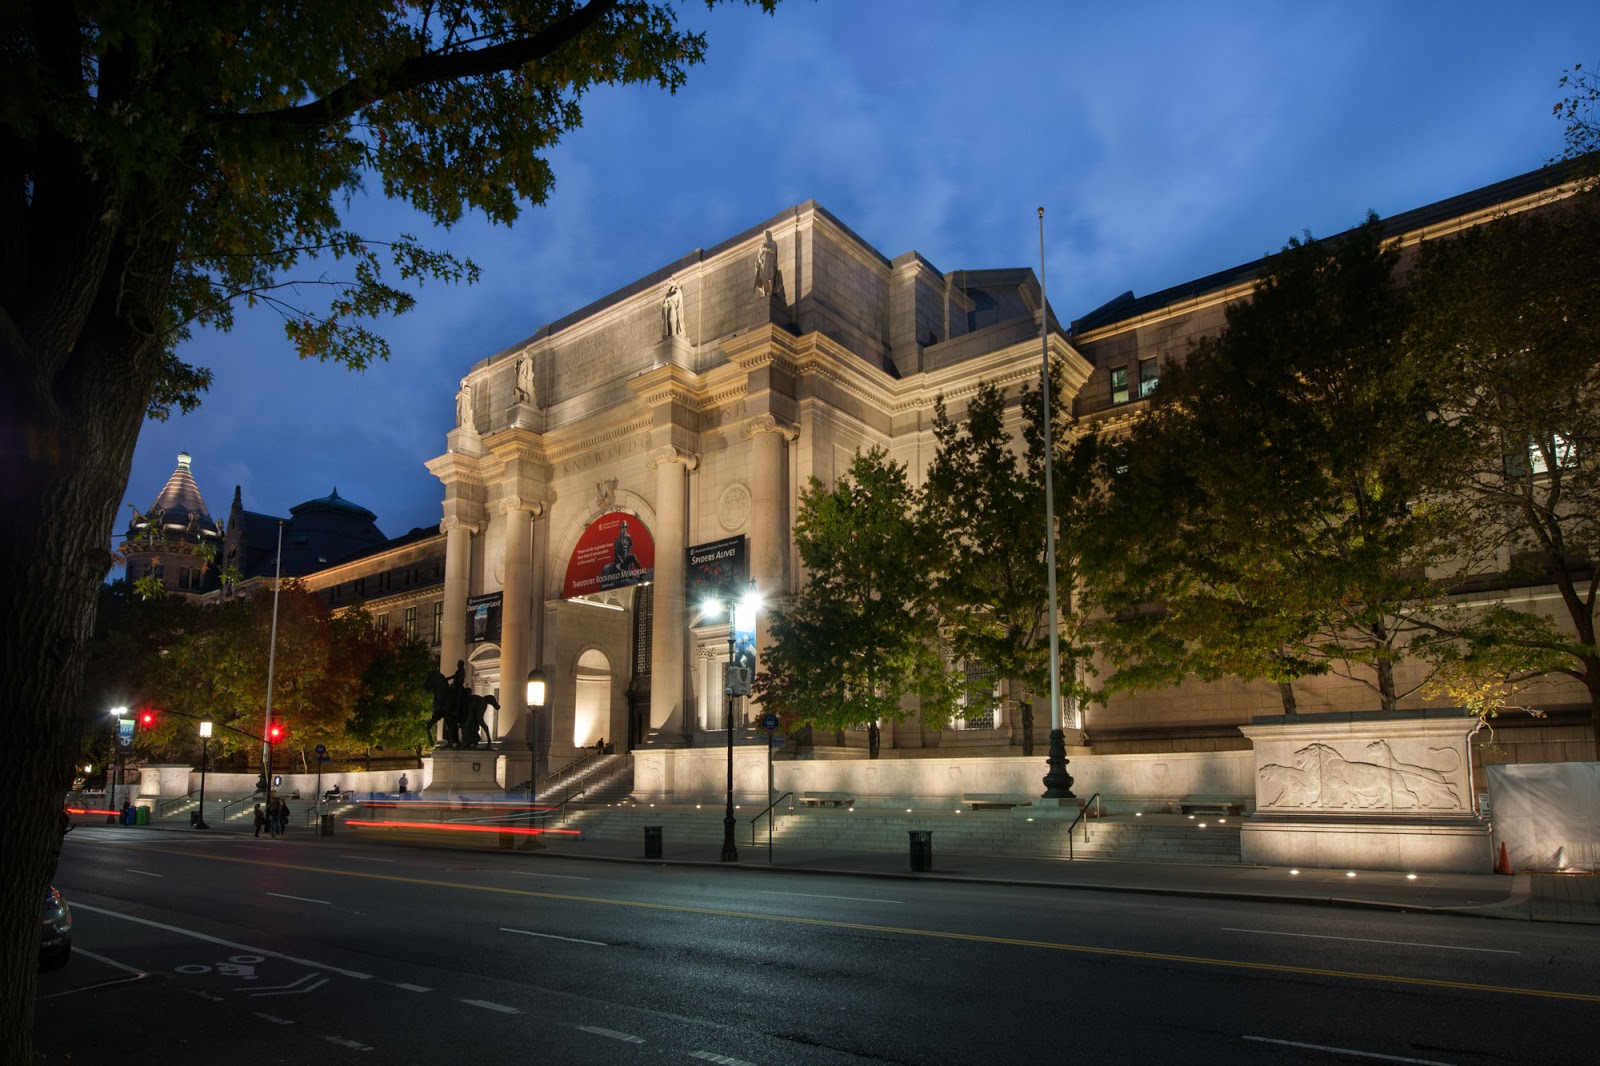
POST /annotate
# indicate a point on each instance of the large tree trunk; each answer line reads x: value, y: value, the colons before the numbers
x: 80, y: 354
x: 1286, y: 694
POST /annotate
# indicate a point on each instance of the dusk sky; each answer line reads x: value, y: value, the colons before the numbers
x: 1165, y: 141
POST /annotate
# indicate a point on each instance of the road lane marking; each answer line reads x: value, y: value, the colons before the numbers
x: 273, y: 1018
x: 363, y: 858
x: 558, y: 877
x: 111, y: 962
x: 143, y: 873
x: 293, y: 988
x: 487, y: 1005
x: 1368, y: 940
x: 353, y: 1045
x: 410, y: 987
x: 302, y: 899
x: 267, y: 952
x: 627, y: 1038
x: 721, y: 1060
x: 1346, y: 1051
x: 552, y: 936
x: 857, y: 899
x: 935, y: 934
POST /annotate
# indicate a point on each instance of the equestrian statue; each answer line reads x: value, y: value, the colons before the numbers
x: 460, y: 709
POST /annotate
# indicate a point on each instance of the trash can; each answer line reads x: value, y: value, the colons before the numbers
x: 652, y: 842
x: 194, y: 818
x: 921, y: 849
x: 143, y: 817
x: 327, y: 825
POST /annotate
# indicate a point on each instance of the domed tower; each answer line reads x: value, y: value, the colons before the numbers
x: 176, y: 541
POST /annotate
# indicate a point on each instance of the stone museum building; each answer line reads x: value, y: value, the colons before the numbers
x: 613, y: 480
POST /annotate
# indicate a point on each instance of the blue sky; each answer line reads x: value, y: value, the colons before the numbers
x: 1165, y: 140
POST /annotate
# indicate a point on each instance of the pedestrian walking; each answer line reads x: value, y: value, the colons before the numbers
x: 403, y: 784
x: 261, y: 819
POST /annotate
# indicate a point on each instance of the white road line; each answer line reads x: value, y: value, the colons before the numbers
x: 267, y: 952
x: 721, y: 1060
x: 486, y: 1005
x: 353, y: 1045
x: 411, y: 988
x: 273, y: 1018
x: 628, y: 1038
x: 142, y: 873
x: 1367, y: 940
x: 363, y: 858
x: 110, y: 962
x: 302, y: 899
x: 1347, y: 1051
x: 858, y: 899
x: 558, y: 877
x: 552, y: 936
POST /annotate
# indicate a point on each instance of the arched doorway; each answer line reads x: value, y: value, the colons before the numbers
x: 591, y: 712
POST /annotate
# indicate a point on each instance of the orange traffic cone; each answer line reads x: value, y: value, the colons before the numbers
x: 1502, y: 865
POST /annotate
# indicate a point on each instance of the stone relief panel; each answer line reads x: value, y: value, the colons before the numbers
x: 1365, y: 775
x: 733, y: 507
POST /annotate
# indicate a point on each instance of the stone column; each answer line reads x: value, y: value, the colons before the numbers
x: 769, y: 514
x: 515, y: 614
x: 457, y: 567
x: 669, y: 713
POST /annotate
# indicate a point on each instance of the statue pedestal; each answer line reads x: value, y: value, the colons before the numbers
x: 465, y: 440
x: 523, y: 416
x: 470, y: 772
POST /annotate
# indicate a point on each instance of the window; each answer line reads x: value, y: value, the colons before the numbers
x: 1149, y: 374
x: 1119, y: 384
x: 383, y: 581
x: 183, y: 577
x: 361, y: 586
x: 978, y: 678
x: 382, y: 623
x: 411, y: 623
x: 1559, y: 449
x: 438, y: 622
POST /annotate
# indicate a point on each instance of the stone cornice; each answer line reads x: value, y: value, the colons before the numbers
x: 453, y: 467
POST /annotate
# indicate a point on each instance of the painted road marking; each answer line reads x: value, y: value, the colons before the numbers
x: 486, y: 1005
x: 143, y: 873
x: 265, y: 952
x: 857, y: 899
x: 363, y: 858
x: 558, y: 877
x: 411, y: 988
x: 353, y: 1045
x: 302, y: 899
x: 627, y: 1038
x: 721, y: 1060
x: 1367, y: 940
x: 274, y: 1019
x: 934, y: 934
x: 293, y: 988
x: 110, y: 962
x: 1346, y: 1051
x: 552, y: 936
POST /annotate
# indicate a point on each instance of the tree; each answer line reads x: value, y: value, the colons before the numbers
x: 1580, y: 112
x: 984, y: 501
x: 861, y: 635
x: 1270, y: 517
x: 164, y: 161
x: 1509, y: 315
x: 393, y: 709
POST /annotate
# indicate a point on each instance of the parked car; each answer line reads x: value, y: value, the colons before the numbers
x: 55, y: 938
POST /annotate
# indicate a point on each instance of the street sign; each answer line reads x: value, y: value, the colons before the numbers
x: 324, y: 758
x: 778, y: 742
x: 321, y: 749
x: 769, y: 722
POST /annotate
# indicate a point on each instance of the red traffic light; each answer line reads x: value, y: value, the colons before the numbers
x: 147, y: 719
x: 275, y: 733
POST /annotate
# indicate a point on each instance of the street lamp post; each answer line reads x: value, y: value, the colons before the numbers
x: 741, y: 621
x: 205, y: 746
x: 116, y: 783
x: 536, y: 696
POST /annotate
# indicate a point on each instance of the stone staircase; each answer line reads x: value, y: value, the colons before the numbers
x: 1150, y: 838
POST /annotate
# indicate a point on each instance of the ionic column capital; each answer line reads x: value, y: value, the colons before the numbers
x: 771, y: 424
x: 451, y: 523
x: 511, y: 504
x: 672, y: 454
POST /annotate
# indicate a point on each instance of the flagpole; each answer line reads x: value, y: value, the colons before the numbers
x: 272, y: 657
x: 1057, y: 782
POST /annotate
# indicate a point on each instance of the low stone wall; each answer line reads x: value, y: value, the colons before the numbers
x: 1127, y: 783
x: 169, y: 781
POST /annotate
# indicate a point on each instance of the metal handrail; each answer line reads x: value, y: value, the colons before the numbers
x: 226, y: 807
x: 1082, y: 811
x: 771, y: 818
x: 170, y: 804
x: 560, y: 809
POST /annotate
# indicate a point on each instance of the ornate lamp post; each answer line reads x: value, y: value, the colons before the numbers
x: 114, y: 783
x: 205, y: 745
x: 741, y: 623
x: 537, y: 692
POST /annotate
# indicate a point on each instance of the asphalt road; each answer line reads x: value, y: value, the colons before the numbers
x: 199, y: 949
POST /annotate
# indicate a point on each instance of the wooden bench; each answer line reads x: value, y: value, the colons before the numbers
x: 819, y: 799
x: 995, y: 801
x: 1210, y: 805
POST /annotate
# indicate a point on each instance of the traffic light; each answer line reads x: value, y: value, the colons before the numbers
x: 276, y: 732
x: 147, y: 719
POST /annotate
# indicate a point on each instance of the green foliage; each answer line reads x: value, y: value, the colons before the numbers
x: 393, y: 708
x: 862, y: 633
x: 1580, y: 112
x: 1508, y: 313
x: 1271, y: 517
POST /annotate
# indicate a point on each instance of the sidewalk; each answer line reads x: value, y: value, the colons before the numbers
x: 1525, y: 896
